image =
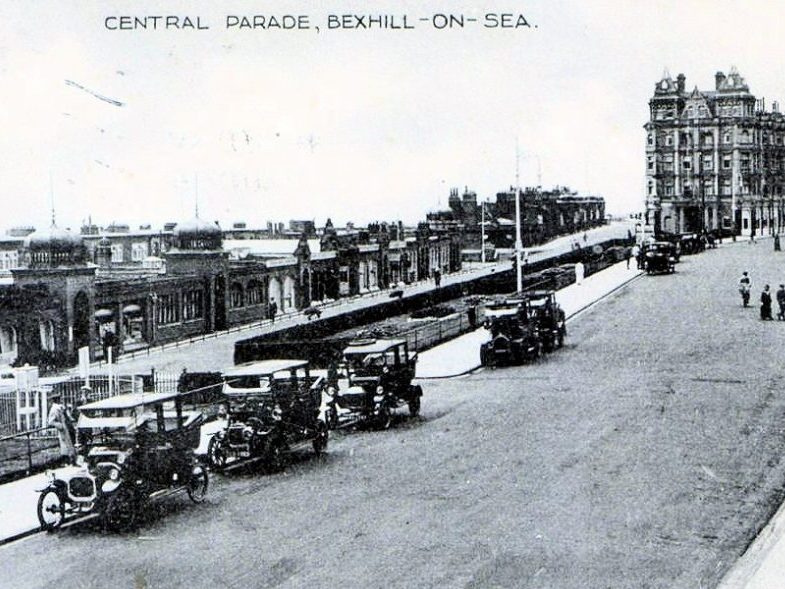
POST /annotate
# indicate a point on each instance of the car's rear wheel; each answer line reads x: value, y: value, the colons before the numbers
x: 216, y: 455
x: 197, y: 486
x: 321, y: 439
x: 383, y: 418
x: 414, y: 407
x: 276, y: 458
x: 51, y: 510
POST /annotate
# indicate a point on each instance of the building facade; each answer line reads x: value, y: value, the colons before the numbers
x: 715, y: 159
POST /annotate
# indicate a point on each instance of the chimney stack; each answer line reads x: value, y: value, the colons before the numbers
x: 719, y: 78
x: 680, y: 80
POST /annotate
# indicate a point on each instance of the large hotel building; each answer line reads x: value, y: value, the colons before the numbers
x: 715, y: 159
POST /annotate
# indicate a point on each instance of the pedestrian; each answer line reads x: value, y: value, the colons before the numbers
x: 627, y: 256
x: 58, y: 418
x: 585, y: 238
x: 777, y: 246
x: 273, y: 310
x: 781, y: 302
x: 437, y: 277
x: 752, y: 238
x: 765, y: 304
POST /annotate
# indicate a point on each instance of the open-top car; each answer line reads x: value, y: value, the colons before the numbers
x: 137, y: 448
x: 514, y: 334
x: 660, y: 256
x: 549, y: 318
x: 379, y: 373
x: 273, y: 408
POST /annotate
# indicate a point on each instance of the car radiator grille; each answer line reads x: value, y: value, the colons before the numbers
x: 81, y: 487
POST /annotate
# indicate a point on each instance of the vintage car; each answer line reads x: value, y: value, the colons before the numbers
x: 515, y: 336
x: 137, y: 448
x: 660, y: 256
x: 549, y: 318
x: 379, y: 380
x: 273, y: 409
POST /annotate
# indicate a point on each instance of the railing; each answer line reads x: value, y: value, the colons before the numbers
x: 27, y: 452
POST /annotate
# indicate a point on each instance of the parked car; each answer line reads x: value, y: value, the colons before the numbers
x: 379, y: 380
x: 273, y: 409
x: 660, y: 256
x: 137, y: 448
x: 549, y: 318
x: 515, y: 336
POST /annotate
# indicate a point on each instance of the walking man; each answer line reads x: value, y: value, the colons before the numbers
x: 765, y: 304
x: 58, y: 418
x: 273, y: 310
x: 781, y: 302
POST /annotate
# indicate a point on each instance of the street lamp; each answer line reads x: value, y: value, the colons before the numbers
x: 518, y: 243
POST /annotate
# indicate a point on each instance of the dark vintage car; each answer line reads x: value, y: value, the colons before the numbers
x: 660, y: 256
x: 515, y: 337
x: 549, y: 318
x: 379, y: 375
x: 137, y: 448
x: 273, y: 409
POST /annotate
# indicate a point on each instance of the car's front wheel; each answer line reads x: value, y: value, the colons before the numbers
x: 122, y: 509
x: 321, y: 439
x: 216, y: 455
x: 197, y: 486
x: 51, y: 510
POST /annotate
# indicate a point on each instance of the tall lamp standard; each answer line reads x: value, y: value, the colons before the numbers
x: 518, y: 243
x: 482, y: 231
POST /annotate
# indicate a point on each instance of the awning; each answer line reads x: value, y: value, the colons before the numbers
x: 103, y: 314
x: 131, y: 309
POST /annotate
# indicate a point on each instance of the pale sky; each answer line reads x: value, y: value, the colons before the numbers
x: 351, y: 124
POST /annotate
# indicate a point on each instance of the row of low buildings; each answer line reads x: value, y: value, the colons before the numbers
x: 544, y: 214
x: 715, y: 159
x: 60, y: 291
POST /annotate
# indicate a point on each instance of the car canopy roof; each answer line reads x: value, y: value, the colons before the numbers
x: 264, y: 367
x: 130, y: 400
x: 373, y: 346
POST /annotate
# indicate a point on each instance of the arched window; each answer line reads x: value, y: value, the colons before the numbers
x: 7, y: 343
x: 745, y: 136
x: 236, y: 295
x: 254, y: 294
x: 47, y: 331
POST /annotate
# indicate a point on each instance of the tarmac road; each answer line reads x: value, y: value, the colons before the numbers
x: 645, y: 454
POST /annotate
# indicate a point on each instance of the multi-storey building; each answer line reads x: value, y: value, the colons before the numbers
x: 715, y: 160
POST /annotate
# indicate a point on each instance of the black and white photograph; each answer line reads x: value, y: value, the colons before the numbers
x: 325, y: 294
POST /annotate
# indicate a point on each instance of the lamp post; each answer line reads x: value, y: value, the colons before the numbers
x: 482, y: 231
x: 518, y: 243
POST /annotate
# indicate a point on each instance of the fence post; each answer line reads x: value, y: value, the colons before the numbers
x: 29, y: 455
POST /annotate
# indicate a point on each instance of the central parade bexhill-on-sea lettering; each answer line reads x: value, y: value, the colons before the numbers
x: 305, y: 22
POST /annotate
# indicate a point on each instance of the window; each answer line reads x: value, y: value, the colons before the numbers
x: 708, y: 188
x: 167, y: 310
x: 651, y: 193
x: 726, y: 138
x: 726, y: 187
x: 726, y: 162
x: 708, y: 139
x: 139, y: 252
x: 686, y: 164
x: 708, y: 162
x: 254, y: 293
x: 651, y: 163
x: 651, y: 139
x: 669, y: 190
x: 117, y: 253
x: 669, y: 139
x: 47, y: 332
x: 192, y: 305
x: 236, y: 295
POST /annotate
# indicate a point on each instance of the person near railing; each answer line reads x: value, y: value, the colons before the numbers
x: 59, y: 419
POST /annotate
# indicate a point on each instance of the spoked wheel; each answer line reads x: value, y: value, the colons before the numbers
x: 414, y: 407
x: 384, y: 418
x: 321, y: 439
x: 51, y: 510
x: 197, y: 486
x: 276, y: 456
x: 216, y: 454
x: 122, y: 510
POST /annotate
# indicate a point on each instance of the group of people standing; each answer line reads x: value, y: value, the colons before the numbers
x: 745, y: 285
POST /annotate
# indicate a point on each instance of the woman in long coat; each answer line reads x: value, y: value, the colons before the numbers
x: 58, y: 418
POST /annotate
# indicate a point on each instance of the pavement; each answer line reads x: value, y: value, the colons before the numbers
x: 462, y: 354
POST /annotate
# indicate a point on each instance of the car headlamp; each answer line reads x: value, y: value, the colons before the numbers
x: 114, y: 474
